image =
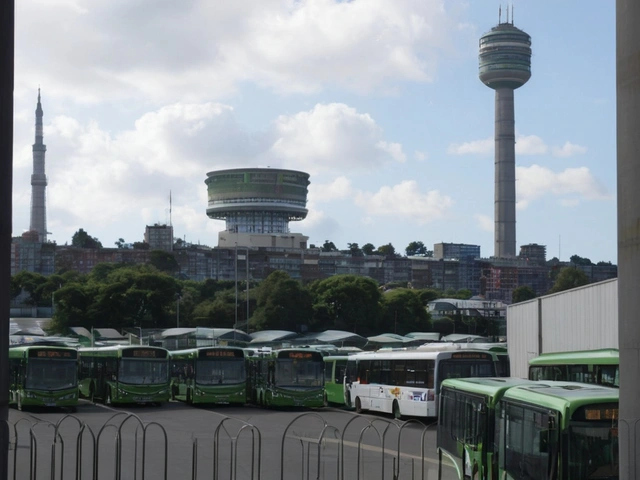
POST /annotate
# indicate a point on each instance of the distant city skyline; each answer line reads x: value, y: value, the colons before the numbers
x: 390, y: 121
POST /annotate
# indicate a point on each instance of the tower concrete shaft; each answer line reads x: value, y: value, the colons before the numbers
x: 505, y: 176
x: 38, y: 221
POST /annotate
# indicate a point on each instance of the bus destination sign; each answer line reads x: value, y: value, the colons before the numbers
x: 471, y: 355
x: 144, y: 353
x: 64, y: 354
x: 221, y: 353
x: 300, y: 355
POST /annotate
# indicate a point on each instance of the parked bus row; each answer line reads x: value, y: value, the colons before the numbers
x: 511, y: 428
x: 57, y: 376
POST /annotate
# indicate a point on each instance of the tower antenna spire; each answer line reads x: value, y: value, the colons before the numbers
x: 499, y: 14
x: 507, y: 13
x: 512, y: 9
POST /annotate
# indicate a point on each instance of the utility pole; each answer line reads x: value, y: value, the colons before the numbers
x: 7, y: 45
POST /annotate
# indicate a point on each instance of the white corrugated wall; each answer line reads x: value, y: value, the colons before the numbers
x: 583, y: 318
x: 522, y: 335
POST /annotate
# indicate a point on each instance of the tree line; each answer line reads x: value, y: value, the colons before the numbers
x: 124, y: 296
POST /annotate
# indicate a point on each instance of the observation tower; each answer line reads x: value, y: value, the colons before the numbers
x: 505, y: 64
x: 257, y: 205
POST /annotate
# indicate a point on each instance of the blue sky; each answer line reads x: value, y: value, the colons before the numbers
x: 378, y: 100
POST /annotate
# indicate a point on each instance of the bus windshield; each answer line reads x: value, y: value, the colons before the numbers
x: 593, y: 451
x: 217, y: 372
x: 137, y: 371
x: 296, y: 373
x: 47, y: 374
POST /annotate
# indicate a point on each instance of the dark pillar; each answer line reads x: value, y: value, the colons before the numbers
x: 6, y: 184
x: 628, y: 147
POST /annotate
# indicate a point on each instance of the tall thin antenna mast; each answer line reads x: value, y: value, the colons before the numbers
x: 512, y: 9
x: 499, y: 14
x: 507, y: 13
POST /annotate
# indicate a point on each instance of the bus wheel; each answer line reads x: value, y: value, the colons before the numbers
x: 107, y: 398
x: 358, y: 405
x: 396, y: 410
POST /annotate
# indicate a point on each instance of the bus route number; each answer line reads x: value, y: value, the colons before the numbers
x: 300, y: 355
x: 220, y: 353
x: 144, y: 353
x: 53, y: 354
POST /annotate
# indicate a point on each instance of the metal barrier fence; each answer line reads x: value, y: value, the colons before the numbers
x: 125, y: 448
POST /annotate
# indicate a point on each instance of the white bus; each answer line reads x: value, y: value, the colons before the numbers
x: 407, y: 382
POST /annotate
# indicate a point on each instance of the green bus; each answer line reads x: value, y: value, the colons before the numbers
x: 515, y: 428
x: 588, y: 366
x: 43, y: 376
x: 290, y: 377
x: 209, y: 375
x: 334, y: 371
x: 122, y: 374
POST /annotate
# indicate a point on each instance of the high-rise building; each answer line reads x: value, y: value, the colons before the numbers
x: 257, y: 205
x: 455, y: 250
x: 39, y: 181
x: 159, y: 237
x: 505, y: 64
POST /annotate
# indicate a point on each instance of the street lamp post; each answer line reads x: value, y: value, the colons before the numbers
x: 235, y: 321
x: 178, y: 298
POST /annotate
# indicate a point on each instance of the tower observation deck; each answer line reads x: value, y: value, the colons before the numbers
x: 505, y: 64
x: 256, y: 201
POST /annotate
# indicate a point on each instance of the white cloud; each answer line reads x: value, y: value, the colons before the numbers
x: 405, y: 200
x: 483, y: 147
x: 568, y: 150
x: 485, y: 222
x: 338, y: 189
x: 420, y: 156
x: 576, y: 183
x: 530, y: 145
x: 333, y: 137
x: 194, y: 50
x: 525, y: 145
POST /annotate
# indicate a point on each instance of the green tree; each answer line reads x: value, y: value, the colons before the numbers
x: 404, y: 312
x: 164, y: 261
x: 32, y: 284
x: 346, y: 302
x: 82, y: 239
x: 329, y: 246
x: 416, y: 248
x: 140, y: 246
x: 74, y: 301
x: 569, y: 277
x: 282, y: 304
x: 522, y: 294
x: 429, y: 295
x: 577, y: 260
x: 354, y: 249
x: 216, y: 312
x: 368, y: 249
x: 387, y: 250
x: 120, y: 243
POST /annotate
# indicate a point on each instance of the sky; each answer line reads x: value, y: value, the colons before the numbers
x: 378, y: 100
